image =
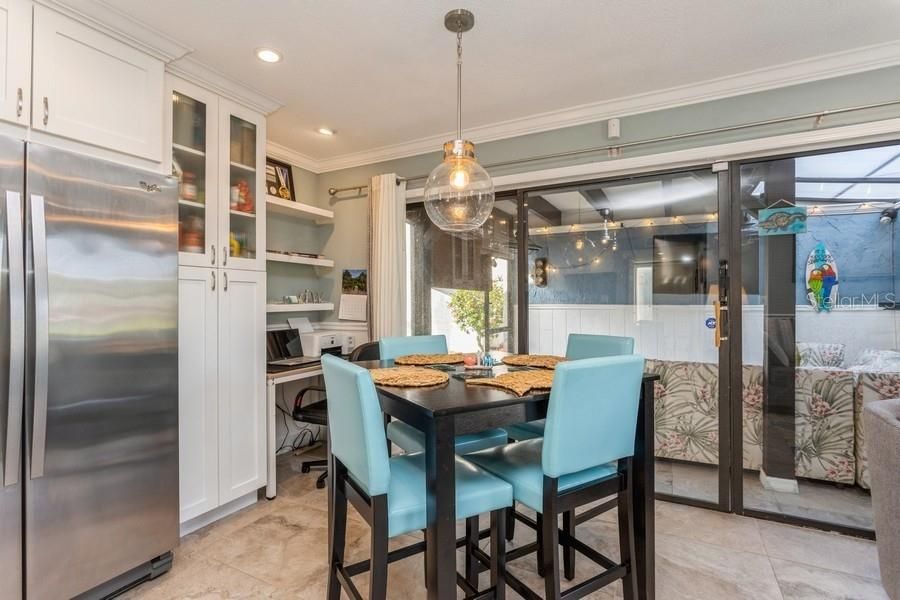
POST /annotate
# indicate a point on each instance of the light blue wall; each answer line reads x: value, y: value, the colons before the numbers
x: 348, y: 242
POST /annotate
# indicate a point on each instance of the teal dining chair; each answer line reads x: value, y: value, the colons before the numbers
x: 578, y: 346
x: 390, y: 492
x: 408, y: 437
x: 585, y: 455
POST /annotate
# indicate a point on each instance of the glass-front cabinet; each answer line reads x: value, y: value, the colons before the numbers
x: 242, y: 146
x: 217, y: 150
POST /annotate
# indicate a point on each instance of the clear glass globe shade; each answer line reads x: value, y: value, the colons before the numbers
x: 459, y: 194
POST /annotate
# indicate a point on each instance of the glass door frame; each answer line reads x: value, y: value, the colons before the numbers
x: 735, y: 332
x: 726, y: 218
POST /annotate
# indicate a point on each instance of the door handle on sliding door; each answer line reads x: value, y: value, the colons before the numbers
x: 720, y: 314
x: 12, y: 453
x: 41, y: 335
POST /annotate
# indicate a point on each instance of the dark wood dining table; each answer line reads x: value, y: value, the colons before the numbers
x: 445, y: 411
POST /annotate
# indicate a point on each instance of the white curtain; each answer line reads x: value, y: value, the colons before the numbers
x: 387, y: 256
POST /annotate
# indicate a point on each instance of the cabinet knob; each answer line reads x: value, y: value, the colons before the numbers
x: 46, y: 110
x: 213, y: 281
x: 19, y: 104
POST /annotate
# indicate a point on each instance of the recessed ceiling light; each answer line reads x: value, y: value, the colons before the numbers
x: 268, y: 55
x: 326, y: 131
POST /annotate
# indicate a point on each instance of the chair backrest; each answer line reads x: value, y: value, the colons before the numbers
x: 366, y: 351
x: 592, y: 414
x: 355, y: 425
x: 582, y: 345
x: 392, y: 347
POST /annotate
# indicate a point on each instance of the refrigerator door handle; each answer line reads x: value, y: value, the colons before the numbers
x: 12, y: 453
x: 41, y: 336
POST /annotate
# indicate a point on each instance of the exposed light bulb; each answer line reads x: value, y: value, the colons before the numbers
x: 459, y: 178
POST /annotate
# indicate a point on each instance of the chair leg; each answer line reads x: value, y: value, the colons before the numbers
x: 550, y: 545
x: 379, y: 560
x: 511, y: 522
x: 471, y: 543
x: 338, y: 537
x: 320, y: 480
x: 498, y: 553
x: 626, y: 539
x: 568, y: 550
x: 540, y: 544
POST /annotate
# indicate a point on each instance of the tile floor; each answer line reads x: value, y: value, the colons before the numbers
x: 849, y: 505
x: 277, y: 550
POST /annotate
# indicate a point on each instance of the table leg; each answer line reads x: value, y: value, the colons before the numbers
x: 440, y: 535
x: 271, y: 488
x: 644, y: 490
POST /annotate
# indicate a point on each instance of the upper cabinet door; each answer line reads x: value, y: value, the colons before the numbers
x: 192, y: 137
x: 15, y: 61
x: 242, y: 233
x: 92, y: 88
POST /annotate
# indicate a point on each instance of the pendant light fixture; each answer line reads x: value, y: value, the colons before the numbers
x: 459, y: 193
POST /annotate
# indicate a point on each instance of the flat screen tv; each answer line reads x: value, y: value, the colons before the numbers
x: 681, y: 268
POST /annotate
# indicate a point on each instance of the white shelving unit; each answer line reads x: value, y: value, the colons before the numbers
x: 280, y: 206
x: 286, y: 308
x: 299, y: 260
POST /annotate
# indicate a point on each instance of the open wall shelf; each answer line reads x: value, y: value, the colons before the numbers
x: 299, y: 210
x: 289, y: 308
x: 299, y: 260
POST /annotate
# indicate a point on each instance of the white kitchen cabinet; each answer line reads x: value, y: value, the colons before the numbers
x: 15, y: 61
x: 221, y: 386
x: 242, y: 221
x: 92, y: 88
x: 242, y: 383
x: 198, y: 410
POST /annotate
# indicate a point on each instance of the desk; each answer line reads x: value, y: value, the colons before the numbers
x: 273, y: 380
x: 453, y: 409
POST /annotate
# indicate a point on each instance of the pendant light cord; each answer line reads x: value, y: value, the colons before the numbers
x: 459, y: 84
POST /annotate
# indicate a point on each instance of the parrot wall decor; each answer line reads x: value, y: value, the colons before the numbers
x: 821, y: 279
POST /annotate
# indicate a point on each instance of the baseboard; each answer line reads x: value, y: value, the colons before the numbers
x: 221, y: 512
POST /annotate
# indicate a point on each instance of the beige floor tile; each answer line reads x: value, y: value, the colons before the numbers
x: 803, y: 582
x: 689, y: 570
x: 200, y: 577
x: 820, y: 549
x: 709, y: 526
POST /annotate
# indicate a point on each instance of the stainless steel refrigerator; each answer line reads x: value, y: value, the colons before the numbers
x: 88, y: 374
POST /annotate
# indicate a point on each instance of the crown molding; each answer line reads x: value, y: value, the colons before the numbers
x: 292, y: 157
x: 104, y: 17
x: 205, y: 76
x: 828, y: 66
x: 817, y: 139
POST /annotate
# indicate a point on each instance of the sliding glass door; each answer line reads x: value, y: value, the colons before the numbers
x: 641, y: 257
x: 820, y: 328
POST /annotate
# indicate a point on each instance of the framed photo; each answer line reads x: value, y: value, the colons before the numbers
x: 279, y: 180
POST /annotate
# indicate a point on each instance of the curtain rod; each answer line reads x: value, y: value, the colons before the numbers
x: 614, y: 150
x: 333, y: 191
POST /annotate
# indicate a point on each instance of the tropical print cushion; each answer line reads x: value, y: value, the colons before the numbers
x: 687, y: 426
x: 810, y: 354
x: 872, y: 387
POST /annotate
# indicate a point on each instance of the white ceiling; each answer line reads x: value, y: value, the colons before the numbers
x: 381, y: 72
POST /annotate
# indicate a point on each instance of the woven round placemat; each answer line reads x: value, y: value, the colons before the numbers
x: 541, y: 361
x: 429, y: 359
x: 518, y: 382
x: 408, y: 377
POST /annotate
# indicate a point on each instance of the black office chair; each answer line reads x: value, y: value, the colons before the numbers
x: 316, y: 413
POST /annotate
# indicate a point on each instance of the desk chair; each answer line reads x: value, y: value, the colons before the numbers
x: 390, y: 492
x: 408, y: 437
x: 585, y: 455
